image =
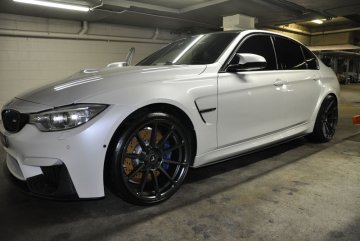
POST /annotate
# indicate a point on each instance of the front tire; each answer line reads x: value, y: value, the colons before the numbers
x: 151, y: 158
x: 326, y: 121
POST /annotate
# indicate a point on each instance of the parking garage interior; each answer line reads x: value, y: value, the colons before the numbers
x: 293, y: 191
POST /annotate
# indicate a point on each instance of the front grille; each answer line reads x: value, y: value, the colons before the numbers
x: 13, y: 120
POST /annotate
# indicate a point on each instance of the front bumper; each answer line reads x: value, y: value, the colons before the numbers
x: 54, y: 183
x: 77, y: 155
x: 58, y: 163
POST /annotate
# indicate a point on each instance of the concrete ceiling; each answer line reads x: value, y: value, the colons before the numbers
x: 192, y: 15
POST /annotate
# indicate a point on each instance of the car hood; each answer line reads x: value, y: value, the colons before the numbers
x: 91, y: 82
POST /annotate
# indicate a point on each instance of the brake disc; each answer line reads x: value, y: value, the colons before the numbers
x: 135, y: 148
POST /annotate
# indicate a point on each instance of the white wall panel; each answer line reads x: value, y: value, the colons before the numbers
x: 26, y: 63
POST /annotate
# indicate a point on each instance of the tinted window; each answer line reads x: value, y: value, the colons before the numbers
x: 201, y: 49
x: 289, y: 54
x: 260, y: 45
x: 310, y: 58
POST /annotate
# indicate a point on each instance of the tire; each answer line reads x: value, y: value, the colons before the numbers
x: 326, y: 121
x: 150, y: 159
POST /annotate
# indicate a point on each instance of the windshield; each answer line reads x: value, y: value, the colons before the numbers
x: 200, y: 49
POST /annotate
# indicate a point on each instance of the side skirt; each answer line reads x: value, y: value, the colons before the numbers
x: 251, y: 145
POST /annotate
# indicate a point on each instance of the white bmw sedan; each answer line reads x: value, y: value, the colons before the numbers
x: 194, y: 102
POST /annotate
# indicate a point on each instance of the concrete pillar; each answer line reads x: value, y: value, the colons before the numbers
x: 347, y: 62
x: 238, y: 22
x: 357, y: 61
x: 335, y: 63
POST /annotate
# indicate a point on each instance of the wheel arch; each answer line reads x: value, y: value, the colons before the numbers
x: 324, y: 97
x: 154, y: 107
x: 318, y: 105
x: 333, y: 94
x: 320, y: 134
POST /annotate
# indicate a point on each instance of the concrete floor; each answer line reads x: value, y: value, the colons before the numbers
x: 295, y: 191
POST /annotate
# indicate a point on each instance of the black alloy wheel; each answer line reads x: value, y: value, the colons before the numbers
x: 326, y: 120
x: 151, y: 159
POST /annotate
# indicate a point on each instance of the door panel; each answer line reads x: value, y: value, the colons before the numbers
x: 249, y: 105
x: 302, y: 80
x: 302, y: 91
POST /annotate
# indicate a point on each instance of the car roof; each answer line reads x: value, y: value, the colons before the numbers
x: 249, y: 31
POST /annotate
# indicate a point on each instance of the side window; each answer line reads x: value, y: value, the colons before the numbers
x: 310, y: 59
x: 260, y: 45
x: 289, y: 54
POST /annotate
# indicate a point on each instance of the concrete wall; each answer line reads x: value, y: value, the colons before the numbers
x: 331, y: 39
x: 26, y: 63
x: 303, y: 38
x: 309, y: 38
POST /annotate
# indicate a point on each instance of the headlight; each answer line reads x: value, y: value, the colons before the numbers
x: 66, y: 117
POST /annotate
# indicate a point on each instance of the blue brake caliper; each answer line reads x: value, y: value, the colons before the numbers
x: 166, y: 156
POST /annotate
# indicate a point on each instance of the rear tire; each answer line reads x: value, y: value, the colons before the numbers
x: 326, y: 121
x: 150, y: 159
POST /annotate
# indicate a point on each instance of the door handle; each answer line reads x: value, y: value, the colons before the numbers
x: 279, y: 83
x: 315, y: 78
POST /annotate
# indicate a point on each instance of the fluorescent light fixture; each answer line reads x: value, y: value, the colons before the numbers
x: 55, y: 5
x: 318, y: 21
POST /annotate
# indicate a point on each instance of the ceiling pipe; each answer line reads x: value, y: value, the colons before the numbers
x: 289, y: 30
x: 142, y: 5
x: 36, y: 34
x: 156, y: 33
x: 297, y: 8
x: 129, y: 4
x: 97, y: 6
x: 201, y: 5
x: 84, y: 28
x: 336, y: 31
x: 303, y: 32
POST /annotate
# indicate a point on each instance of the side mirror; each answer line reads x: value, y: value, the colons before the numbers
x: 130, y: 55
x: 247, y: 62
x: 117, y: 64
x: 127, y: 62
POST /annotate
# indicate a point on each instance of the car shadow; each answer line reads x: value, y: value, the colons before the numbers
x: 111, y: 214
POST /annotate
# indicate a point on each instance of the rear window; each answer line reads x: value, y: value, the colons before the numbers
x: 289, y: 54
x: 310, y: 59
